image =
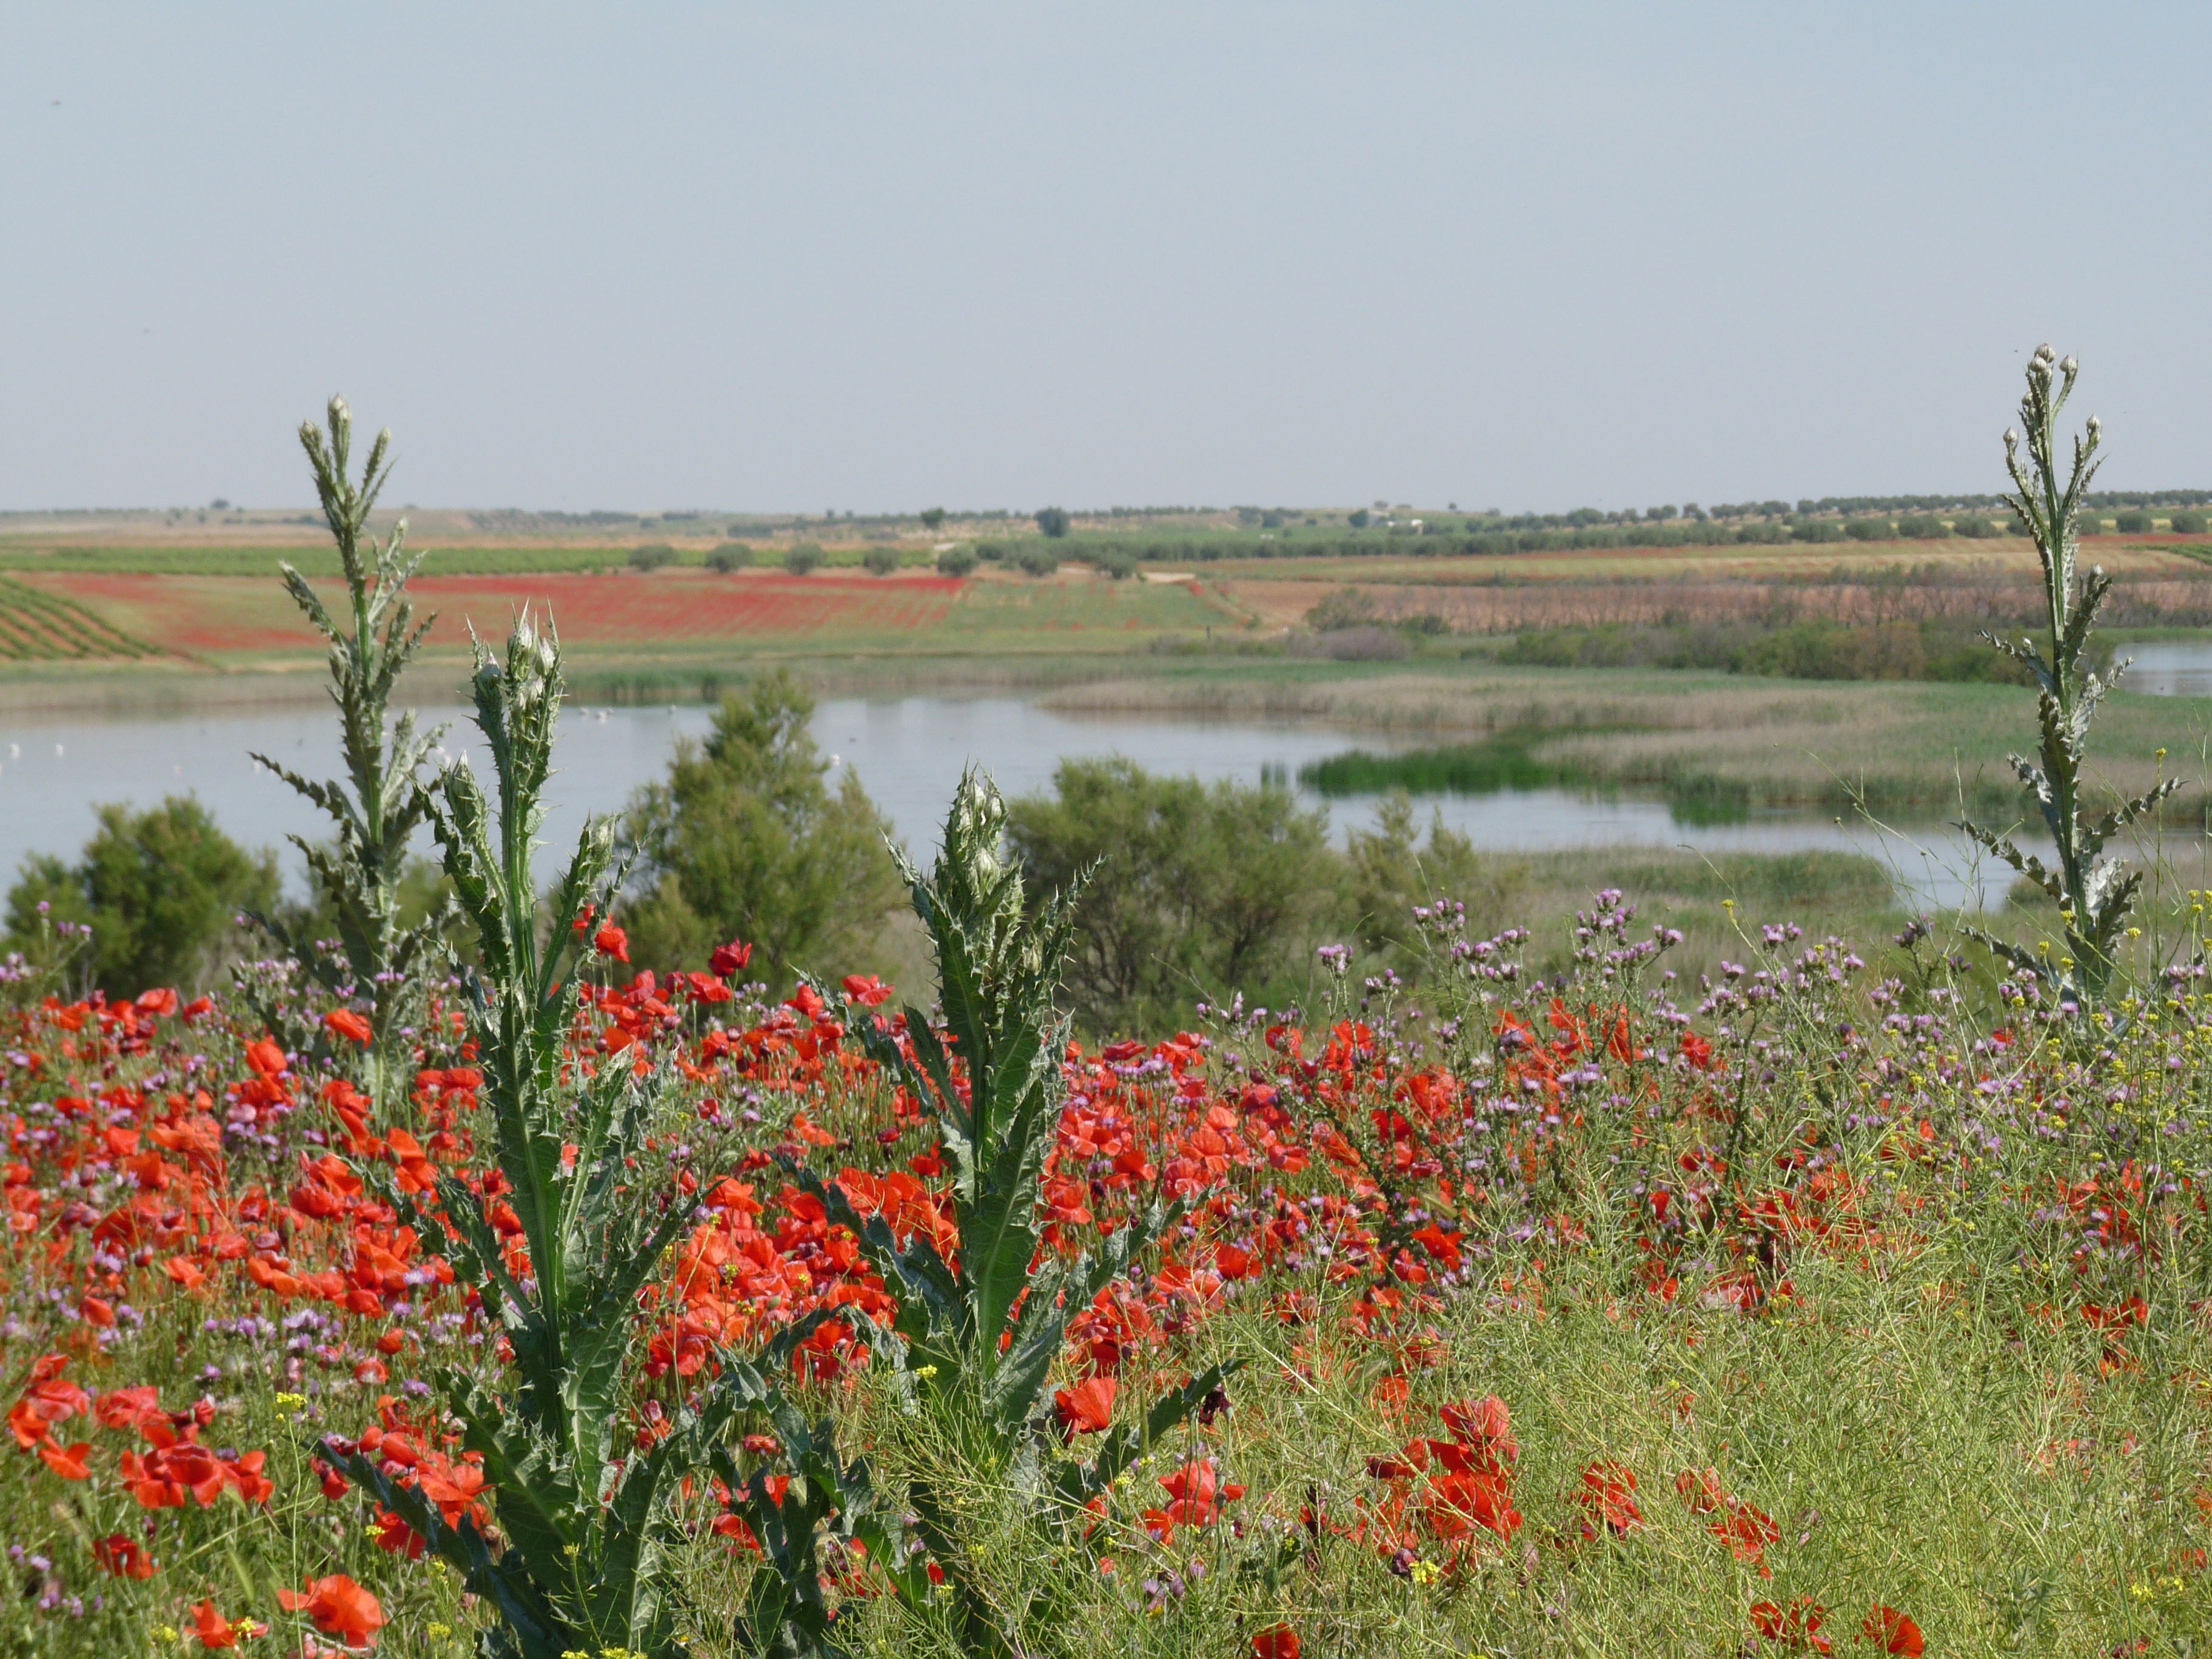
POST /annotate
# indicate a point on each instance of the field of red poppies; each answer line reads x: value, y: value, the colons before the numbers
x: 1801, y: 1311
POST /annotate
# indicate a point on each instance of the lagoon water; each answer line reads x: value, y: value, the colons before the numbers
x: 908, y: 752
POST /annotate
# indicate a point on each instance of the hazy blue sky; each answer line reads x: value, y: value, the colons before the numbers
x: 841, y: 255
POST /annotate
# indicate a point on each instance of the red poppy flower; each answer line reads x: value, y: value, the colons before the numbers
x: 731, y: 958
x: 1797, y: 1627
x: 216, y: 1632
x: 1607, y: 1497
x: 1087, y: 1407
x: 345, y: 1022
x: 867, y: 989
x: 1894, y: 1632
x: 1197, y: 1495
x: 124, y: 1556
x: 611, y: 941
x: 339, y: 1607
x: 264, y: 1057
x: 69, y: 1464
x: 1276, y: 1642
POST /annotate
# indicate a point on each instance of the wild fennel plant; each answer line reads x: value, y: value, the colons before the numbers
x: 379, y: 963
x: 975, y: 1336
x: 2093, y: 894
x: 584, y: 1513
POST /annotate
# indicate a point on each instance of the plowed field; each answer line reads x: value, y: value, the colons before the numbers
x: 40, y: 627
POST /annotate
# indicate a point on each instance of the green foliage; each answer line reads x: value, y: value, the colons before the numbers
x: 1870, y: 529
x: 1036, y: 561
x: 729, y: 555
x: 1391, y: 874
x: 583, y: 1513
x: 975, y: 1336
x: 379, y: 959
x: 933, y: 518
x: 1052, y: 520
x: 2093, y: 894
x: 1198, y: 887
x: 2187, y: 523
x: 2133, y: 523
x: 803, y: 559
x: 161, y: 889
x: 957, y: 561
x: 1117, y: 563
x: 1808, y: 648
x: 652, y: 556
x: 880, y: 561
x: 746, y: 840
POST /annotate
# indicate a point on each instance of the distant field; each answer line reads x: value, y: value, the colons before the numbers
x: 239, y: 621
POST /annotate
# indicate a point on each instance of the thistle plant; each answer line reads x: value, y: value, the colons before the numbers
x: 585, y: 1514
x: 381, y: 804
x: 976, y: 1335
x: 2094, y: 894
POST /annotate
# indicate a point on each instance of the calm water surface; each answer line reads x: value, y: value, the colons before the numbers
x: 908, y: 753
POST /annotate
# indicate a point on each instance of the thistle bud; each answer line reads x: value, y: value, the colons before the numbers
x: 2068, y: 366
x: 2096, y: 426
x: 2012, y: 437
x: 2043, y: 354
x: 341, y: 415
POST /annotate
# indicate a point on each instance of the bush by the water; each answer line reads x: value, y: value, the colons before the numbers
x: 1808, y: 648
x: 161, y: 892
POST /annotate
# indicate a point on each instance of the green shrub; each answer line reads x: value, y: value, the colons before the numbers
x: 1036, y: 561
x: 1200, y: 886
x: 955, y: 561
x: 1117, y: 563
x: 881, y: 561
x: 652, y: 556
x: 2133, y: 522
x: 1922, y: 527
x: 2187, y: 523
x: 1976, y: 529
x: 730, y: 556
x: 746, y: 840
x: 1817, y: 530
x: 803, y: 559
x: 1870, y: 529
x: 1052, y: 521
x: 161, y: 889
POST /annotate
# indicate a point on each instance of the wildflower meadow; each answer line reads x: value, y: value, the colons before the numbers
x: 536, y: 1303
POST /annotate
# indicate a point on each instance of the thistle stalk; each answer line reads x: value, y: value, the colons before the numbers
x: 2093, y: 894
x: 581, y: 1559
x: 382, y: 802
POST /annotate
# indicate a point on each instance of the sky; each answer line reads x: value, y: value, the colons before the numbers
x: 841, y: 256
